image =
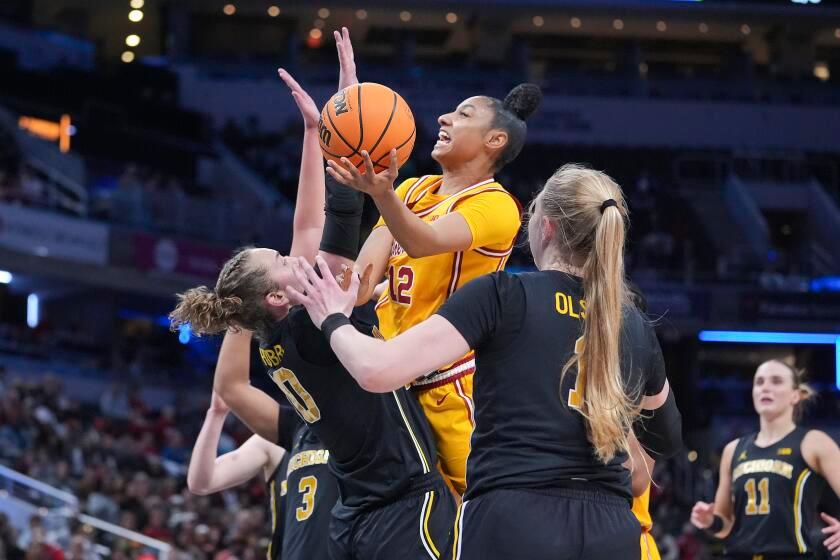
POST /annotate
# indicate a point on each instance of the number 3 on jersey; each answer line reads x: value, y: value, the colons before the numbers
x: 307, y: 486
x: 297, y: 396
x: 400, y: 281
x: 576, y: 394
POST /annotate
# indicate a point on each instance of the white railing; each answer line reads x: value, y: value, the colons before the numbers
x: 25, y: 496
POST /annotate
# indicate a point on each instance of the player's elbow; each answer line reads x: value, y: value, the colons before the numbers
x: 372, y: 378
x: 197, y: 486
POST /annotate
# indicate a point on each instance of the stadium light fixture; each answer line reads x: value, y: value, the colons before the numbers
x: 451, y: 17
x: 575, y: 22
x: 127, y: 57
x: 324, y: 13
x: 33, y: 310
x: 273, y: 11
x: 5, y: 277
x: 135, y: 15
x: 757, y: 337
x: 137, y: 4
x: 132, y: 40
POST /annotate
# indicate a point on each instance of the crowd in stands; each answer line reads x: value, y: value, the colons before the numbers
x: 126, y: 465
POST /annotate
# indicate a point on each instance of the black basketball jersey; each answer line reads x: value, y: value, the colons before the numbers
x: 774, y: 498
x: 528, y: 433
x: 380, y: 445
x: 309, y: 490
x: 277, y: 507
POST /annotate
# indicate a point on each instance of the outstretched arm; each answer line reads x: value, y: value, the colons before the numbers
x: 208, y: 474
x: 233, y: 384
x: 309, y: 206
x: 418, y: 238
x: 378, y: 366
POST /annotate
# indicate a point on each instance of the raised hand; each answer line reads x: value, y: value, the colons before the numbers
x: 322, y: 295
x: 346, y: 61
x: 832, y: 532
x: 373, y: 184
x: 702, y: 515
x: 308, y: 109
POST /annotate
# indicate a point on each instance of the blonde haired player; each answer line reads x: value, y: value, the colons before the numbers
x: 438, y: 232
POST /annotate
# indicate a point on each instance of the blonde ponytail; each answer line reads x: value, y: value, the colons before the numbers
x: 589, y: 210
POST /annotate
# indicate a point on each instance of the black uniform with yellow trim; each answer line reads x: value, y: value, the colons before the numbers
x: 774, y: 496
x: 535, y: 488
x: 277, y: 500
x: 307, y: 489
x: 394, y: 502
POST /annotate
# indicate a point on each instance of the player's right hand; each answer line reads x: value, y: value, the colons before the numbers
x: 702, y: 515
x: 307, y: 107
x: 346, y: 60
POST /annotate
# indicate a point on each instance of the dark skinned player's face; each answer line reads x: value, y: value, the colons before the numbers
x: 463, y: 132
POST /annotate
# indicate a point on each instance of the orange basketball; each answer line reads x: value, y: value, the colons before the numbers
x: 368, y: 117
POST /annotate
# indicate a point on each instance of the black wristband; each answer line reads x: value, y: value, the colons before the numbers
x: 715, y: 527
x: 332, y: 322
x: 343, y: 213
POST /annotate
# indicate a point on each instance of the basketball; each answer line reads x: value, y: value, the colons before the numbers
x: 369, y: 117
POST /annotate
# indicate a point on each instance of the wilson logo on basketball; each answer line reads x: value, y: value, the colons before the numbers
x: 324, y: 133
x: 340, y: 103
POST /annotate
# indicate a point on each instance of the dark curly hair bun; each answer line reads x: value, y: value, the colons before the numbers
x: 523, y: 100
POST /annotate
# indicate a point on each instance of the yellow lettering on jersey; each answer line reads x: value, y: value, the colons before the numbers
x: 742, y: 456
x: 564, y: 305
x: 784, y: 451
x: 307, y: 459
x: 271, y: 357
x: 773, y: 466
x: 284, y: 488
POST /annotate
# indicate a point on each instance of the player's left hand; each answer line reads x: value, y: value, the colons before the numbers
x: 346, y: 60
x: 322, y: 295
x: 832, y: 542
x: 373, y: 184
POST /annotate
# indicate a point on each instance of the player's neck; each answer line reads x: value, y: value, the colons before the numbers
x: 773, y: 429
x: 551, y: 259
x: 456, y: 180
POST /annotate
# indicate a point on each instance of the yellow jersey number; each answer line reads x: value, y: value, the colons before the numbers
x: 763, y: 507
x: 307, y: 486
x: 576, y: 393
x: 296, y: 394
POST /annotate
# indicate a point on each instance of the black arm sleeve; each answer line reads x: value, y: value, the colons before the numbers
x: 488, y: 311
x: 343, y: 210
x: 660, y: 431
